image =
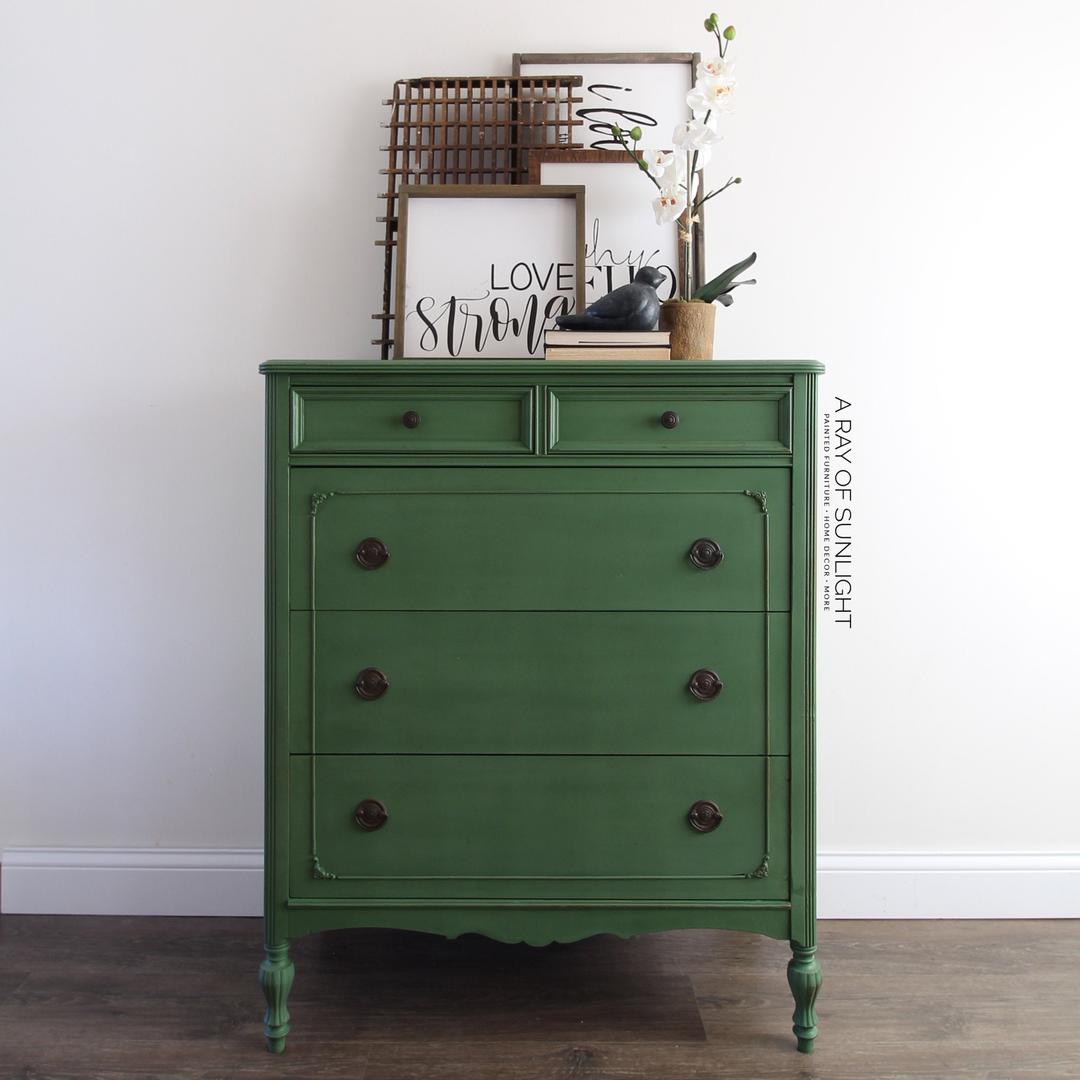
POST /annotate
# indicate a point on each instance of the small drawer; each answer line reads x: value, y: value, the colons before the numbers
x: 750, y: 420
x: 403, y: 420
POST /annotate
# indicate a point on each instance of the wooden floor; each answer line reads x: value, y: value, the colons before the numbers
x: 126, y: 997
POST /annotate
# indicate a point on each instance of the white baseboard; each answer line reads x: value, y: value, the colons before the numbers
x: 131, y: 881
x: 192, y: 881
x: 948, y: 886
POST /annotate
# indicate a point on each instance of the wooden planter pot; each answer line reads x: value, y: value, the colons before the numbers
x: 691, y: 326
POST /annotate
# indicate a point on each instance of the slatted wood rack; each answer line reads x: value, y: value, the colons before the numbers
x: 466, y: 130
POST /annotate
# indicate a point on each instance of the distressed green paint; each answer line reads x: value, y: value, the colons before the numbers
x: 538, y: 619
x: 462, y: 549
x: 589, y: 695
x: 459, y: 419
x: 551, y: 826
x: 605, y: 420
x: 804, y: 978
x: 276, y: 978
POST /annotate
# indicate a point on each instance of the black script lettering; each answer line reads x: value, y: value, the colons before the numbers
x: 553, y: 309
x: 501, y: 321
x: 600, y: 120
x: 429, y: 339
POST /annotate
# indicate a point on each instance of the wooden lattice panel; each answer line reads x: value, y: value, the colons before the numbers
x: 470, y: 130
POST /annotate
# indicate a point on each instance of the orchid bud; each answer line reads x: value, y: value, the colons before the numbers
x: 616, y: 131
x: 710, y: 25
x: 738, y: 179
x: 729, y: 33
x: 635, y: 134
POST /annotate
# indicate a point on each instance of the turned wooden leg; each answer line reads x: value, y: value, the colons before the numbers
x: 276, y: 976
x: 804, y: 978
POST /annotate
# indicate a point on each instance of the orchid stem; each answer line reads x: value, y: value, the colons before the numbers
x: 712, y: 194
x: 634, y: 154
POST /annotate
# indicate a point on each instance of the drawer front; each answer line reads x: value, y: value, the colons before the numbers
x: 704, y: 421
x: 401, y: 420
x: 607, y: 551
x: 538, y: 826
x: 540, y: 682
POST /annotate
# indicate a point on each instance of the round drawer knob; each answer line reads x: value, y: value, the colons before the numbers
x: 705, y: 684
x: 370, y: 815
x: 706, y: 554
x: 372, y: 553
x: 704, y: 816
x: 371, y: 683
x: 411, y: 419
x: 669, y: 419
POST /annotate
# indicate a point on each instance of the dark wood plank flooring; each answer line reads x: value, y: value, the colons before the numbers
x: 148, y: 997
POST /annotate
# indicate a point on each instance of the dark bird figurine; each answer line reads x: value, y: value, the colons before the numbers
x: 629, y: 307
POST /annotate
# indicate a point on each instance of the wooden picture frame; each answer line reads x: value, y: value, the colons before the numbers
x: 464, y: 130
x: 612, y: 80
x: 484, y: 269
x: 621, y: 234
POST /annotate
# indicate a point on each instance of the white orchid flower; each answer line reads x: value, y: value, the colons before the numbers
x: 713, y: 94
x: 657, y: 162
x: 695, y: 136
x: 664, y: 166
x: 715, y: 67
x: 669, y: 204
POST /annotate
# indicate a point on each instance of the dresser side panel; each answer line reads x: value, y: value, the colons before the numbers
x: 276, y: 689
x: 803, y: 609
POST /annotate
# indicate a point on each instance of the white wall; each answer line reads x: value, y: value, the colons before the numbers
x: 189, y: 188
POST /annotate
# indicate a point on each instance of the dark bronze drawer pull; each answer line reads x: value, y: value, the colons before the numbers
x: 372, y: 553
x: 704, y: 816
x: 371, y: 683
x: 706, y: 554
x: 370, y: 815
x: 669, y: 419
x: 705, y: 684
x: 411, y: 419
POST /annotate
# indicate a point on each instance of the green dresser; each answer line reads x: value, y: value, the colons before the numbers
x: 540, y: 653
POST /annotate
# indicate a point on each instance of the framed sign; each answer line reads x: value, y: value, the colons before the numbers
x: 646, y: 90
x: 621, y: 234
x: 485, y: 269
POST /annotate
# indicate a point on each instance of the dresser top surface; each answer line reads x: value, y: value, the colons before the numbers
x: 542, y: 369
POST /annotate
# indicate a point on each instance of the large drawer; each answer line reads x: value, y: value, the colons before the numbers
x: 407, y: 420
x: 608, y: 550
x: 538, y: 826
x: 701, y: 421
x: 540, y: 682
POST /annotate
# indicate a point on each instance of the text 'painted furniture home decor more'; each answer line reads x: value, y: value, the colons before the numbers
x: 540, y: 644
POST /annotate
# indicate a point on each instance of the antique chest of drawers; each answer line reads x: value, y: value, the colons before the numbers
x: 539, y: 653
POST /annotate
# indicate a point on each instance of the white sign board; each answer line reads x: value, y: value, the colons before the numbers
x: 621, y: 234
x: 649, y: 95
x: 485, y: 271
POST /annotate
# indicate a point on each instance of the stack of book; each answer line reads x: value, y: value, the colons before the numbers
x: 607, y: 345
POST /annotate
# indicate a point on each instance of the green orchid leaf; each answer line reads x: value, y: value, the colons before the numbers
x: 720, y: 284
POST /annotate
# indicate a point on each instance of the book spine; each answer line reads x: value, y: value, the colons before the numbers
x: 602, y: 340
x: 609, y: 352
